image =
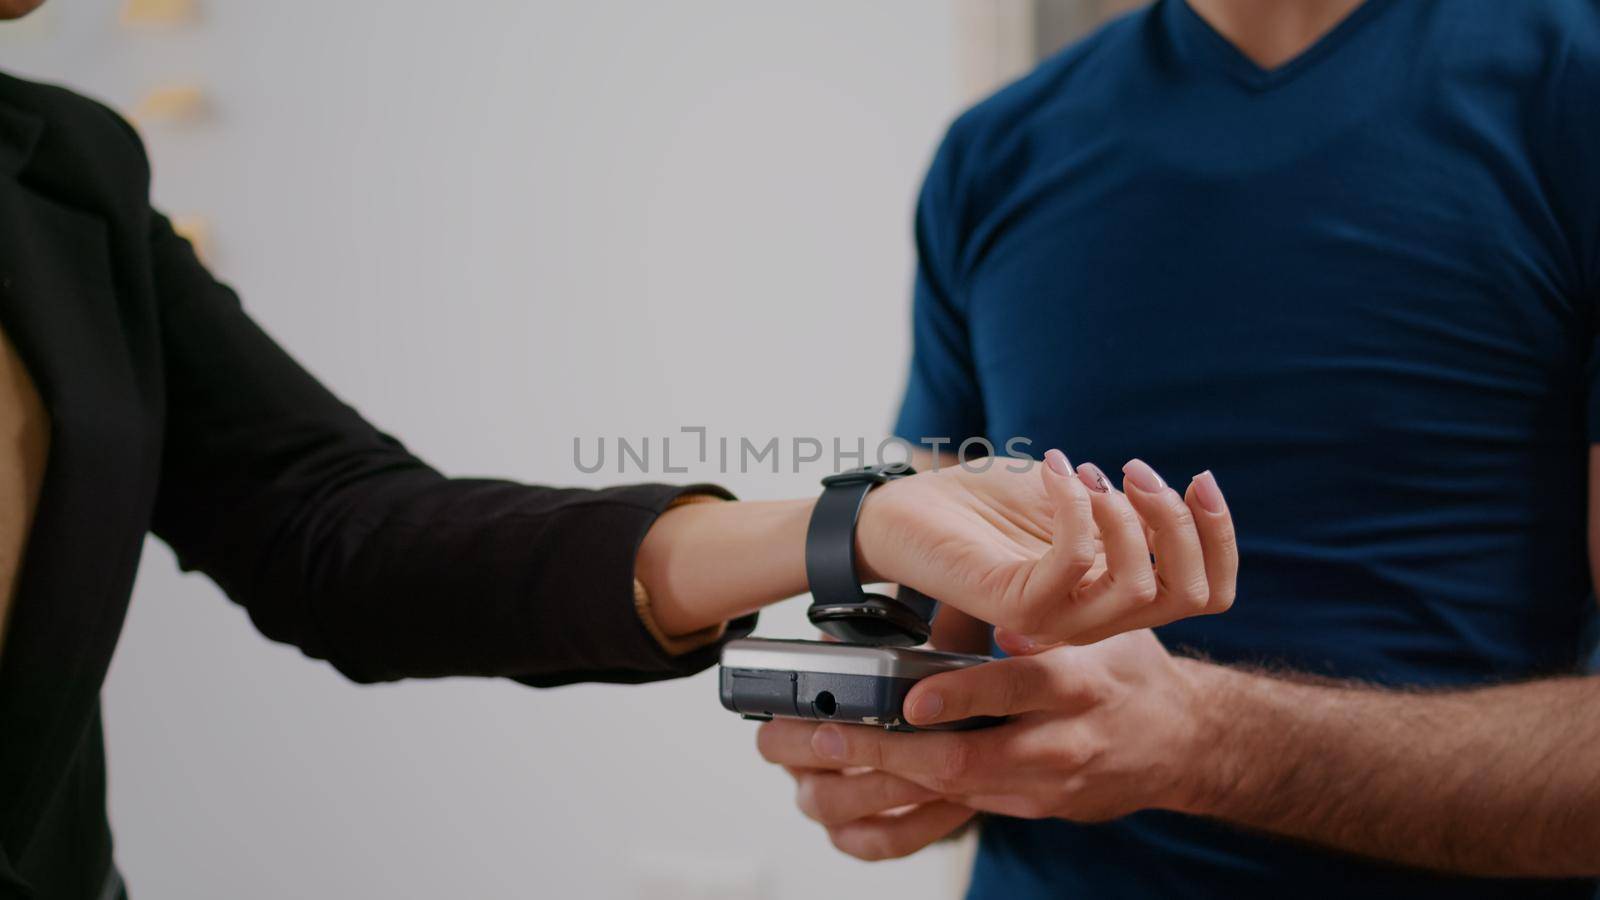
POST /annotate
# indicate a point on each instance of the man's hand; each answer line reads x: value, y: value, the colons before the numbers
x: 1058, y: 556
x: 874, y: 815
x: 1094, y: 733
x: 1496, y: 781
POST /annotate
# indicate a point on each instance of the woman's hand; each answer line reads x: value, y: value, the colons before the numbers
x: 1043, y: 551
x: 1056, y: 556
x: 1094, y: 733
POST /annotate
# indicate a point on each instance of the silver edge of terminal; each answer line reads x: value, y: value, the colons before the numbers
x: 841, y: 659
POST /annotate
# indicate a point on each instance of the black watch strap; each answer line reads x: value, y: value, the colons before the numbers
x: 839, y: 606
x: 831, y: 536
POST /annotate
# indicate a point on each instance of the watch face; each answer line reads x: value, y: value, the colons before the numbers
x: 875, y: 621
x: 872, y: 632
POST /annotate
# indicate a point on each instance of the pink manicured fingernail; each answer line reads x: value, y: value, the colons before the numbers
x: 1090, y: 474
x: 828, y: 743
x: 927, y: 707
x: 1015, y: 644
x: 1209, y: 494
x: 1143, y: 477
x: 1058, y: 463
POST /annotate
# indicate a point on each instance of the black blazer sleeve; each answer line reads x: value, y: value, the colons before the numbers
x: 338, y: 540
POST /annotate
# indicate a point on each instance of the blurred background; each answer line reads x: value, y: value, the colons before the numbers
x: 496, y: 226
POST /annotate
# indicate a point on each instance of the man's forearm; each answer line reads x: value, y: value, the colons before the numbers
x: 1497, y: 781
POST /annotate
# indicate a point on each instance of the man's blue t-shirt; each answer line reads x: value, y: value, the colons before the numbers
x: 1361, y: 288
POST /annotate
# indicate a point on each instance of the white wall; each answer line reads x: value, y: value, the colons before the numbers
x: 494, y: 226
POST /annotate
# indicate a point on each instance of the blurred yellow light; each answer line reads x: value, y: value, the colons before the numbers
x: 173, y: 103
x: 197, y: 231
x: 160, y: 12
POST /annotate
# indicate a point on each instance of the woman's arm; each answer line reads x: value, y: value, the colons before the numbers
x: 338, y: 540
x: 1035, y: 549
x: 703, y: 564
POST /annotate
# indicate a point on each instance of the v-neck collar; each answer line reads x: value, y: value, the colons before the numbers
x: 1196, y: 37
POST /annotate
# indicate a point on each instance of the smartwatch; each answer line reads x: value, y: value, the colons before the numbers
x: 839, y: 606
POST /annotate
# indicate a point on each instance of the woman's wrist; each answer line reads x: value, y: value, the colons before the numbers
x: 704, y: 564
x: 877, y: 532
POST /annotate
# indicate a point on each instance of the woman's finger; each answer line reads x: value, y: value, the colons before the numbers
x: 1128, y: 583
x: 1015, y: 644
x: 1047, y: 595
x: 1214, y: 524
x: 1219, y: 551
x: 1180, y: 566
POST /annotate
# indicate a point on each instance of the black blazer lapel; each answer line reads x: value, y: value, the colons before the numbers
x: 58, y: 306
x: 19, y: 134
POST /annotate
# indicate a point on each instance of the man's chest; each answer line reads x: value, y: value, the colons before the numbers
x: 1382, y: 284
